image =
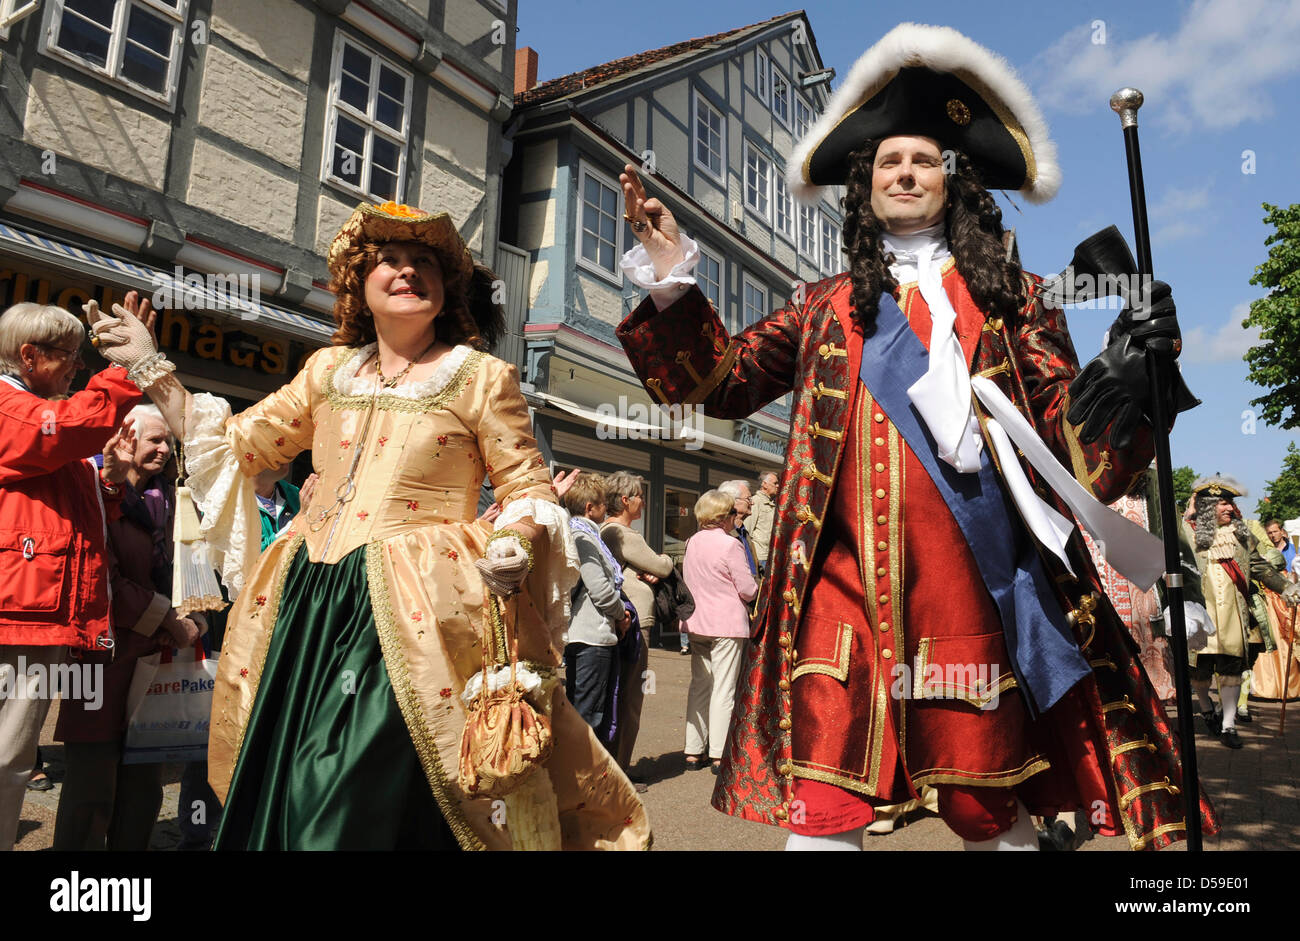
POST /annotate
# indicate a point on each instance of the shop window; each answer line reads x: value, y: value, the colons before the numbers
x: 679, y: 521
x: 369, y: 116
x: 133, y: 43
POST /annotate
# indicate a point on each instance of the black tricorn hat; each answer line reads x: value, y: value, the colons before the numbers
x: 931, y: 81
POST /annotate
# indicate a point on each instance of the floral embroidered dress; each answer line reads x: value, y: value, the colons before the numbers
x: 337, y: 714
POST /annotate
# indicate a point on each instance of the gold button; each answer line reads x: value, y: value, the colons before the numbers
x: 783, y: 684
x: 789, y: 595
x: 884, y: 599
x: 880, y: 442
x: 880, y: 468
x: 784, y: 640
x: 884, y: 626
x: 882, y: 520
x: 780, y: 813
x: 879, y: 417
x: 808, y: 471
x: 824, y: 349
x: 882, y: 546
x: 880, y: 494
x: 784, y: 725
x: 887, y: 654
x: 787, y: 769
x: 880, y: 573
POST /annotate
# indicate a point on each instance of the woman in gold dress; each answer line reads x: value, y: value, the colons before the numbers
x: 338, y: 712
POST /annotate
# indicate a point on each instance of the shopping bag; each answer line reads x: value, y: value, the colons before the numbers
x: 169, y: 707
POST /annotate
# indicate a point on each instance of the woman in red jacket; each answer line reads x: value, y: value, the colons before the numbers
x: 54, y: 507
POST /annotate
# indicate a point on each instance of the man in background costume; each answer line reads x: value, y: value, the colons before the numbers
x: 899, y: 568
x: 1227, y: 554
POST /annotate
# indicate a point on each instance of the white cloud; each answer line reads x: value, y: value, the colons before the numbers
x: 1227, y: 343
x: 1211, y: 72
x: 1180, y: 213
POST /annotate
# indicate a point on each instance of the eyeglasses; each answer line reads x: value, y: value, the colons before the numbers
x: 73, y: 354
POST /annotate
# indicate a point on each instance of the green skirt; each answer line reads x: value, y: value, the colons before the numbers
x: 327, y: 762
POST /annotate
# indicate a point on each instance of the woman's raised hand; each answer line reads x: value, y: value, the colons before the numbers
x: 127, y: 337
x: 652, y: 222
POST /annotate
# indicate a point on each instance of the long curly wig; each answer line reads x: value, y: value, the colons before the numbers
x: 470, y: 313
x: 1206, y: 522
x: 972, y: 224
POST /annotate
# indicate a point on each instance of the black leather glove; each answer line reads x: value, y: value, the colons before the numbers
x: 1149, y: 315
x: 1113, y: 389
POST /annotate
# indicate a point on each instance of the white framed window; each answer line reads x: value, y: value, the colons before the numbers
x: 803, y: 116
x: 600, y: 223
x: 808, y: 231
x: 780, y: 96
x: 753, y: 300
x: 830, y: 247
x: 710, y: 277
x: 133, y: 43
x: 782, y: 208
x: 367, y: 123
x: 710, y: 137
x: 761, y: 72
x: 758, y: 181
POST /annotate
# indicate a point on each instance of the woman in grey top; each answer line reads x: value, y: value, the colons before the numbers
x: 642, y: 567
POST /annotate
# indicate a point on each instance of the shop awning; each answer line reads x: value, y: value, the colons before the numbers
x: 687, y: 437
x: 209, y: 296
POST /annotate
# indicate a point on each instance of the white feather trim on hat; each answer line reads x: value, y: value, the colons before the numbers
x: 942, y: 49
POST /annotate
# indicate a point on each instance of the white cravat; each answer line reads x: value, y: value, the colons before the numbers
x: 942, y: 395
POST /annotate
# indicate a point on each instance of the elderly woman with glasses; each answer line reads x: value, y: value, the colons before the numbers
x: 54, y: 506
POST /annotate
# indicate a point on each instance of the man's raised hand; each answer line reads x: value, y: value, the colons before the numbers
x: 652, y: 222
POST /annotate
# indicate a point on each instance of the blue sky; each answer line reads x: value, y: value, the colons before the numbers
x: 1220, y: 78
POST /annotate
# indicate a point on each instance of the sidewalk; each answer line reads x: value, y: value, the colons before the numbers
x: 1255, y: 790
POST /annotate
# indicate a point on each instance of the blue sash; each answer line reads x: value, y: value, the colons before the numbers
x: 1044, y: 656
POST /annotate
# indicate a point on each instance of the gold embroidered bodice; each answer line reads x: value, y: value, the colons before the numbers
x: 420, y: 452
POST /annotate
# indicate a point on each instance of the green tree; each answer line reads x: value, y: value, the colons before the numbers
x: 1183, y: 477
x: 1275, y: 361
x: 1282, y: 494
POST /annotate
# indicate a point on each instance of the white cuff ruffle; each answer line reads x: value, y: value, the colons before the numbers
x: 557, y: 567
x: 638, y: 269
x: 223, y: 494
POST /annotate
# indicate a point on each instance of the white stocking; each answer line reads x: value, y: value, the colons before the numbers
x: 850, y: 840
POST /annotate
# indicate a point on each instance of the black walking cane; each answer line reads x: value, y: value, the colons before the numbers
x: 1162, y: 372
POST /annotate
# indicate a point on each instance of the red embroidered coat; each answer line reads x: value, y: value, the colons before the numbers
x: 867, y: 570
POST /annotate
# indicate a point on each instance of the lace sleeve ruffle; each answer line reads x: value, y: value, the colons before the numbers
x: 557, y: 568
x: 223, y: 494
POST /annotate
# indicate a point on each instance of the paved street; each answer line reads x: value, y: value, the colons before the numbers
x: 1255, y: 789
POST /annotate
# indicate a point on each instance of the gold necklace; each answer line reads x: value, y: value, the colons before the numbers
x: 387, y: 383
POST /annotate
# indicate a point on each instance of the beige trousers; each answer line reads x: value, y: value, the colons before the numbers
x: 715, y: 669
x: 21, y: 718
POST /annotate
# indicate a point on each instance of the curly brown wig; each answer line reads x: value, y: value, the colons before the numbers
x: 470, y: 313
x: 973, y: 226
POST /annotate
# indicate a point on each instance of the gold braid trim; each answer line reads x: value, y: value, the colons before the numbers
x: 1138, y: 791
x: 933, y: 776
x: 715, y: 376
x: 1139, y: 843
x: 1142, y: 742
x: 408, y: 702
x: 386, y: 402
x: 271, y: 613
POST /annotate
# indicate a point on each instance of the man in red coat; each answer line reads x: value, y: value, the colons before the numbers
x: 917, y: 628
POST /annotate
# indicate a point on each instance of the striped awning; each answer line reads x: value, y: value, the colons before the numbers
x: 234, y: 296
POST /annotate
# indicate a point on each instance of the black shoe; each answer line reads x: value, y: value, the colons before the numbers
x: 1230, y: 738
x: 43, y: 783
x: 1213, y: 722
x: 1244, y: 717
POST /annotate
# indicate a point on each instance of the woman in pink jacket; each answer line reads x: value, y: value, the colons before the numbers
x: 720, y: 580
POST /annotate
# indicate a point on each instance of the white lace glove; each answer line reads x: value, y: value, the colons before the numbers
x: 124, y: 340
x: 1291, y: 595
x: 1199, y: 626
x: 506, y: 564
